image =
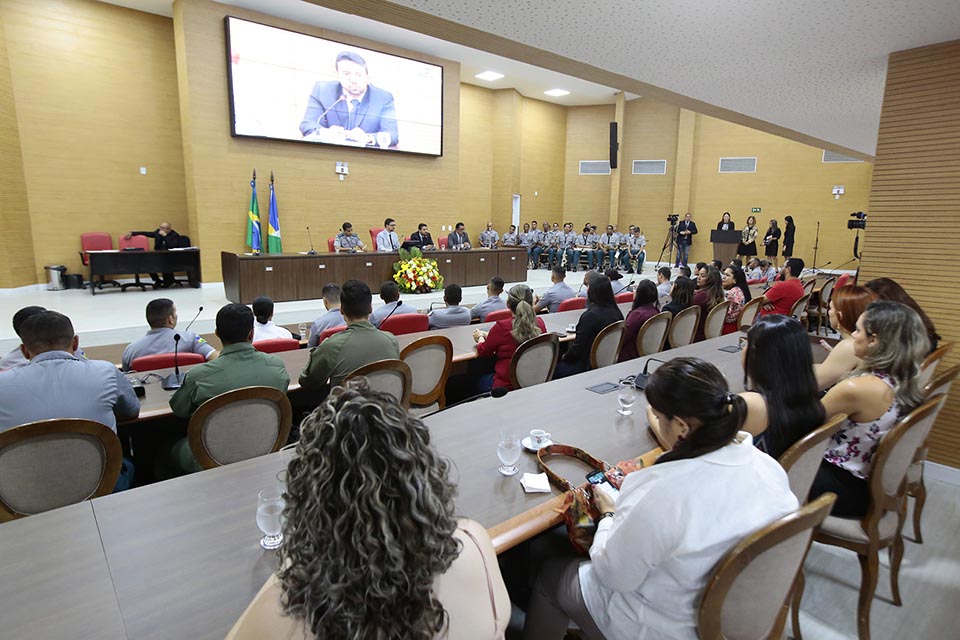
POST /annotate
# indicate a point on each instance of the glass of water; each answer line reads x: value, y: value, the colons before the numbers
x: 270, y: 516
x: 626, y: 397
x: 302, y: 330
x: 508, y: 450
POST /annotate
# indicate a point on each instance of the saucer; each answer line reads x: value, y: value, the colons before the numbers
x: 529, y: 446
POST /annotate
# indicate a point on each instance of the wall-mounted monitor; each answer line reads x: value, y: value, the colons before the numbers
x: 286, y: 85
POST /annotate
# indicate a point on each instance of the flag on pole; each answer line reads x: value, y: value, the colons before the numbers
x: 253, y: 218
x: 274, y: 241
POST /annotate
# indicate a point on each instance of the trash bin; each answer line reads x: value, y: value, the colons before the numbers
x: 55, y: 273
x: 73, y: 281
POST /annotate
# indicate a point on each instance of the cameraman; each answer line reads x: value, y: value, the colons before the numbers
x: 685, y: 232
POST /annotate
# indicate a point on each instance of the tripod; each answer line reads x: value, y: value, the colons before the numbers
x: 668, y: 243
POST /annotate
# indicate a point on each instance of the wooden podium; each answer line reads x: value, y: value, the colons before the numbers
x: 725, y: 245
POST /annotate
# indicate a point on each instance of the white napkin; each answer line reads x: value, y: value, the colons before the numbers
x: 535, y: 483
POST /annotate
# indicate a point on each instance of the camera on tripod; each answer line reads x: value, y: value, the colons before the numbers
x: 672, y: 218
x: 859, y: 223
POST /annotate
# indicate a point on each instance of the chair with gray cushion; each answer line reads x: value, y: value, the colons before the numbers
x: 713, y: 326
x: 749, y: 313
x: 534, y: 361
x: 606, y: 346
x: 429, y: 358
x: 392, y: 377
x: 54, y: 463
x: 653, y: 334
x: 746, y: 597
x: 239, y: 425
x: 932, y: 361
x: 683, y: 327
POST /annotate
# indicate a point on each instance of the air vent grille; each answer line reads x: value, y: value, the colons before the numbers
x: 738, y: 165
x: 833, y: 156
x: 649, y: 167
x: 594, y: 167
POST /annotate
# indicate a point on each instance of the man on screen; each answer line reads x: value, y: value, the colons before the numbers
x: 351, y: 110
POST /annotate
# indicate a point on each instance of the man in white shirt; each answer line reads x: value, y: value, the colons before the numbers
x: 263, y: 326
x: 453, y: 315
x: 162, y: 318
x: 556, y: 294
x: 332, y: 318
x: 388, y: 240
x: 392, y: 304
x: 15, y: 357
x: 493, y: 302
x: 489, y: 238
x: 663, y: 286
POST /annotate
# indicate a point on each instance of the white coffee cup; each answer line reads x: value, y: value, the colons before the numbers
x: 539, y: 436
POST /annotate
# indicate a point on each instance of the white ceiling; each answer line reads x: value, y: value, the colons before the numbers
x: 813, y: 66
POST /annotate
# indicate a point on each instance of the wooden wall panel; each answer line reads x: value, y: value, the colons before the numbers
x: 95, y: 88
x: 542, y: 147
x: 476, y: 165
x: 915, y: 201
x: 16, y: 241
x: 586, y: 198
x: 505, y: 137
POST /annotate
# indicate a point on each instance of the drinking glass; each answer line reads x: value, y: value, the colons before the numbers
x: 626, y: 396
x: 508, y: 450
x: 302, y: 330
x: 270, y: 516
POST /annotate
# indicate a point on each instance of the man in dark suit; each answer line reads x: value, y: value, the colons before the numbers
x: 458, y: 238
x: 351, y: 110
x: 685, y: 232
x: 422, y: 237
x: 163, y: 238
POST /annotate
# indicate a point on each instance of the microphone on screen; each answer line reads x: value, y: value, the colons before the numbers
x: 640, y: 380
x: 330, y: 108
x: 312, y: 251
x: 496, y: 392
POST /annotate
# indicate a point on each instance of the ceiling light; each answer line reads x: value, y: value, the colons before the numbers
x: 489, y: 76
x: 557, y: 93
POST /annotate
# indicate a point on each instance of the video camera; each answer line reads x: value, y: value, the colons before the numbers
x: 859, y: 223
x: 672, y: 218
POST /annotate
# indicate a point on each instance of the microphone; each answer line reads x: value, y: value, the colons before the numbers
x: 640, y: 380
x: 312, y: 251
x: 175, y: 379
x: 496, y: 392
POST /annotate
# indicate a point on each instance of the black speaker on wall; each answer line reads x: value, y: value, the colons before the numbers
x: 614, y: 145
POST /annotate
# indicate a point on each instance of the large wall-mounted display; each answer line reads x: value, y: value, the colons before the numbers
x: 291, y: 86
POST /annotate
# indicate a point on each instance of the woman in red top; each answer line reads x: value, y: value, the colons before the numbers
x: 506, y: 335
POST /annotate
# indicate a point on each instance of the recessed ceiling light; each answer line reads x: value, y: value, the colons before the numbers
x: 556, y: 93
x: 489, y: 76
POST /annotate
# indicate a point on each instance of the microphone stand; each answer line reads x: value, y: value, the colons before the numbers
x: 496, y: 392
x: 816, y: 246
x: 312, y: 251
x: 175, y: 379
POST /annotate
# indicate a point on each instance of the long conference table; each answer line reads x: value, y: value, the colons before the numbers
x: 295, y: 276
x: 113, y: 262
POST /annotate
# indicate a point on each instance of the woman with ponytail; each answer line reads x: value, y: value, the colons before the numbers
x: 658, y: 543
x: 506, y: 335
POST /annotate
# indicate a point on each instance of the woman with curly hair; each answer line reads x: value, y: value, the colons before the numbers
x: 372, y: 550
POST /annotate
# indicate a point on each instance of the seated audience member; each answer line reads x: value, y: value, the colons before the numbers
x: 556, y: 294
x: 708, y: 295
x: 700, y: 266
x: 754, y: 275
x: 504, y: 337
x: 846, y: 305
x: 891, y: 341
x: 453, y: 315
x: 658, y: 543
x: 781, y: 297
x: 737, y: 294
x: 768, y: 272
x: 663, y: 286
x: 392, y: 563
x: 162, y: 318
x: 644, y: 308
x: 588, y: 275
x: 458, y: 238
x: 493, y: 302
x: 737, y: 262
x: 681, y: 295
x: 15, y: 357
x: 392, y: 304
x: 264, y: 328
x: 887, y: 289
x: 601, y: 311
x: 783, y: 403
x: 686, y: 272
x: 616, y: 281
x: 718, y: 265
x: 332, y: 318
x: 359, y: 344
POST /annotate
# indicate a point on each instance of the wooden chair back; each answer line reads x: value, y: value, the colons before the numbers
x: 606, y: 346
x: 747, y: 594
x: 809, y: 284
x: 940, y: 383
x: 802, y: 460
x: 239, y: 425
x: 749, y: 313
x: 572, y: 304
x: 713, y: 326
x: 823, y: 303
x: 429, y: 359
x: 53, y: 463
x: 799, y: 308
x: 653, y: 334
x: 930, y: 363
x: 392, y: 377
x: 534, y: 361
x: 683, y: 327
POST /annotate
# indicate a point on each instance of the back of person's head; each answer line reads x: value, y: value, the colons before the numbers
x: 682, y: 292
x: 389, y: 291
x: 899, y: 349
x: 262, y: 309
x: 355, y: 300
x: 789, y: 220
x: 887, y: 289
x: 737, y: 262
x: 685, y: 271
x: 47, y: 331
x: 664, y: 272
x: 764, y: 264
x: 234, y: 323
x: 694, y: 390
x: 560, y: 273
x: 452, y: 294
x: 700, y: 265
x: 796, y: 266
x: 357, y: 539
x: 520, y: 303
x: 849, y: 303
x: 718, y: 265
x: 713, y: 285
x: 612, y: 274
x: 496, y: 285
x: 158, y: 311
x: 600, y: 292
x: 331, y: 293
x: 778, y: 362
x: 21, y: 316
x: 646, y: 294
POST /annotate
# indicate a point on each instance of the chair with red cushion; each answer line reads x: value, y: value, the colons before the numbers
x: 842, y: 281
x: 330, y: 246
x: 626, y: 296
x: 374, y: 232
x: 498, y: 315
x: 572, y: 304
x: 164, y: 361
x: 405, y: 323
x: 141, y: 243
x: 96, y: 241
x: 442, y: 243
x: 276, y: 345
x: 326, y: 333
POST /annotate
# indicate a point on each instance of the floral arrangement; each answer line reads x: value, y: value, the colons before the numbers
x: 416, y: 274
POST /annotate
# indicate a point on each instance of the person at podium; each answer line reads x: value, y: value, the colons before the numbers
x: 725, y: 224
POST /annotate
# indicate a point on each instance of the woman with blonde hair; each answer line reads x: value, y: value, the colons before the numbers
x: 846, y: 305
x: 504, y: 337
x: 372, y: 548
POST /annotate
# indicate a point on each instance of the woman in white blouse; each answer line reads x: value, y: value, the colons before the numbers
x: 657, y: 544
x: 264, y: 328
